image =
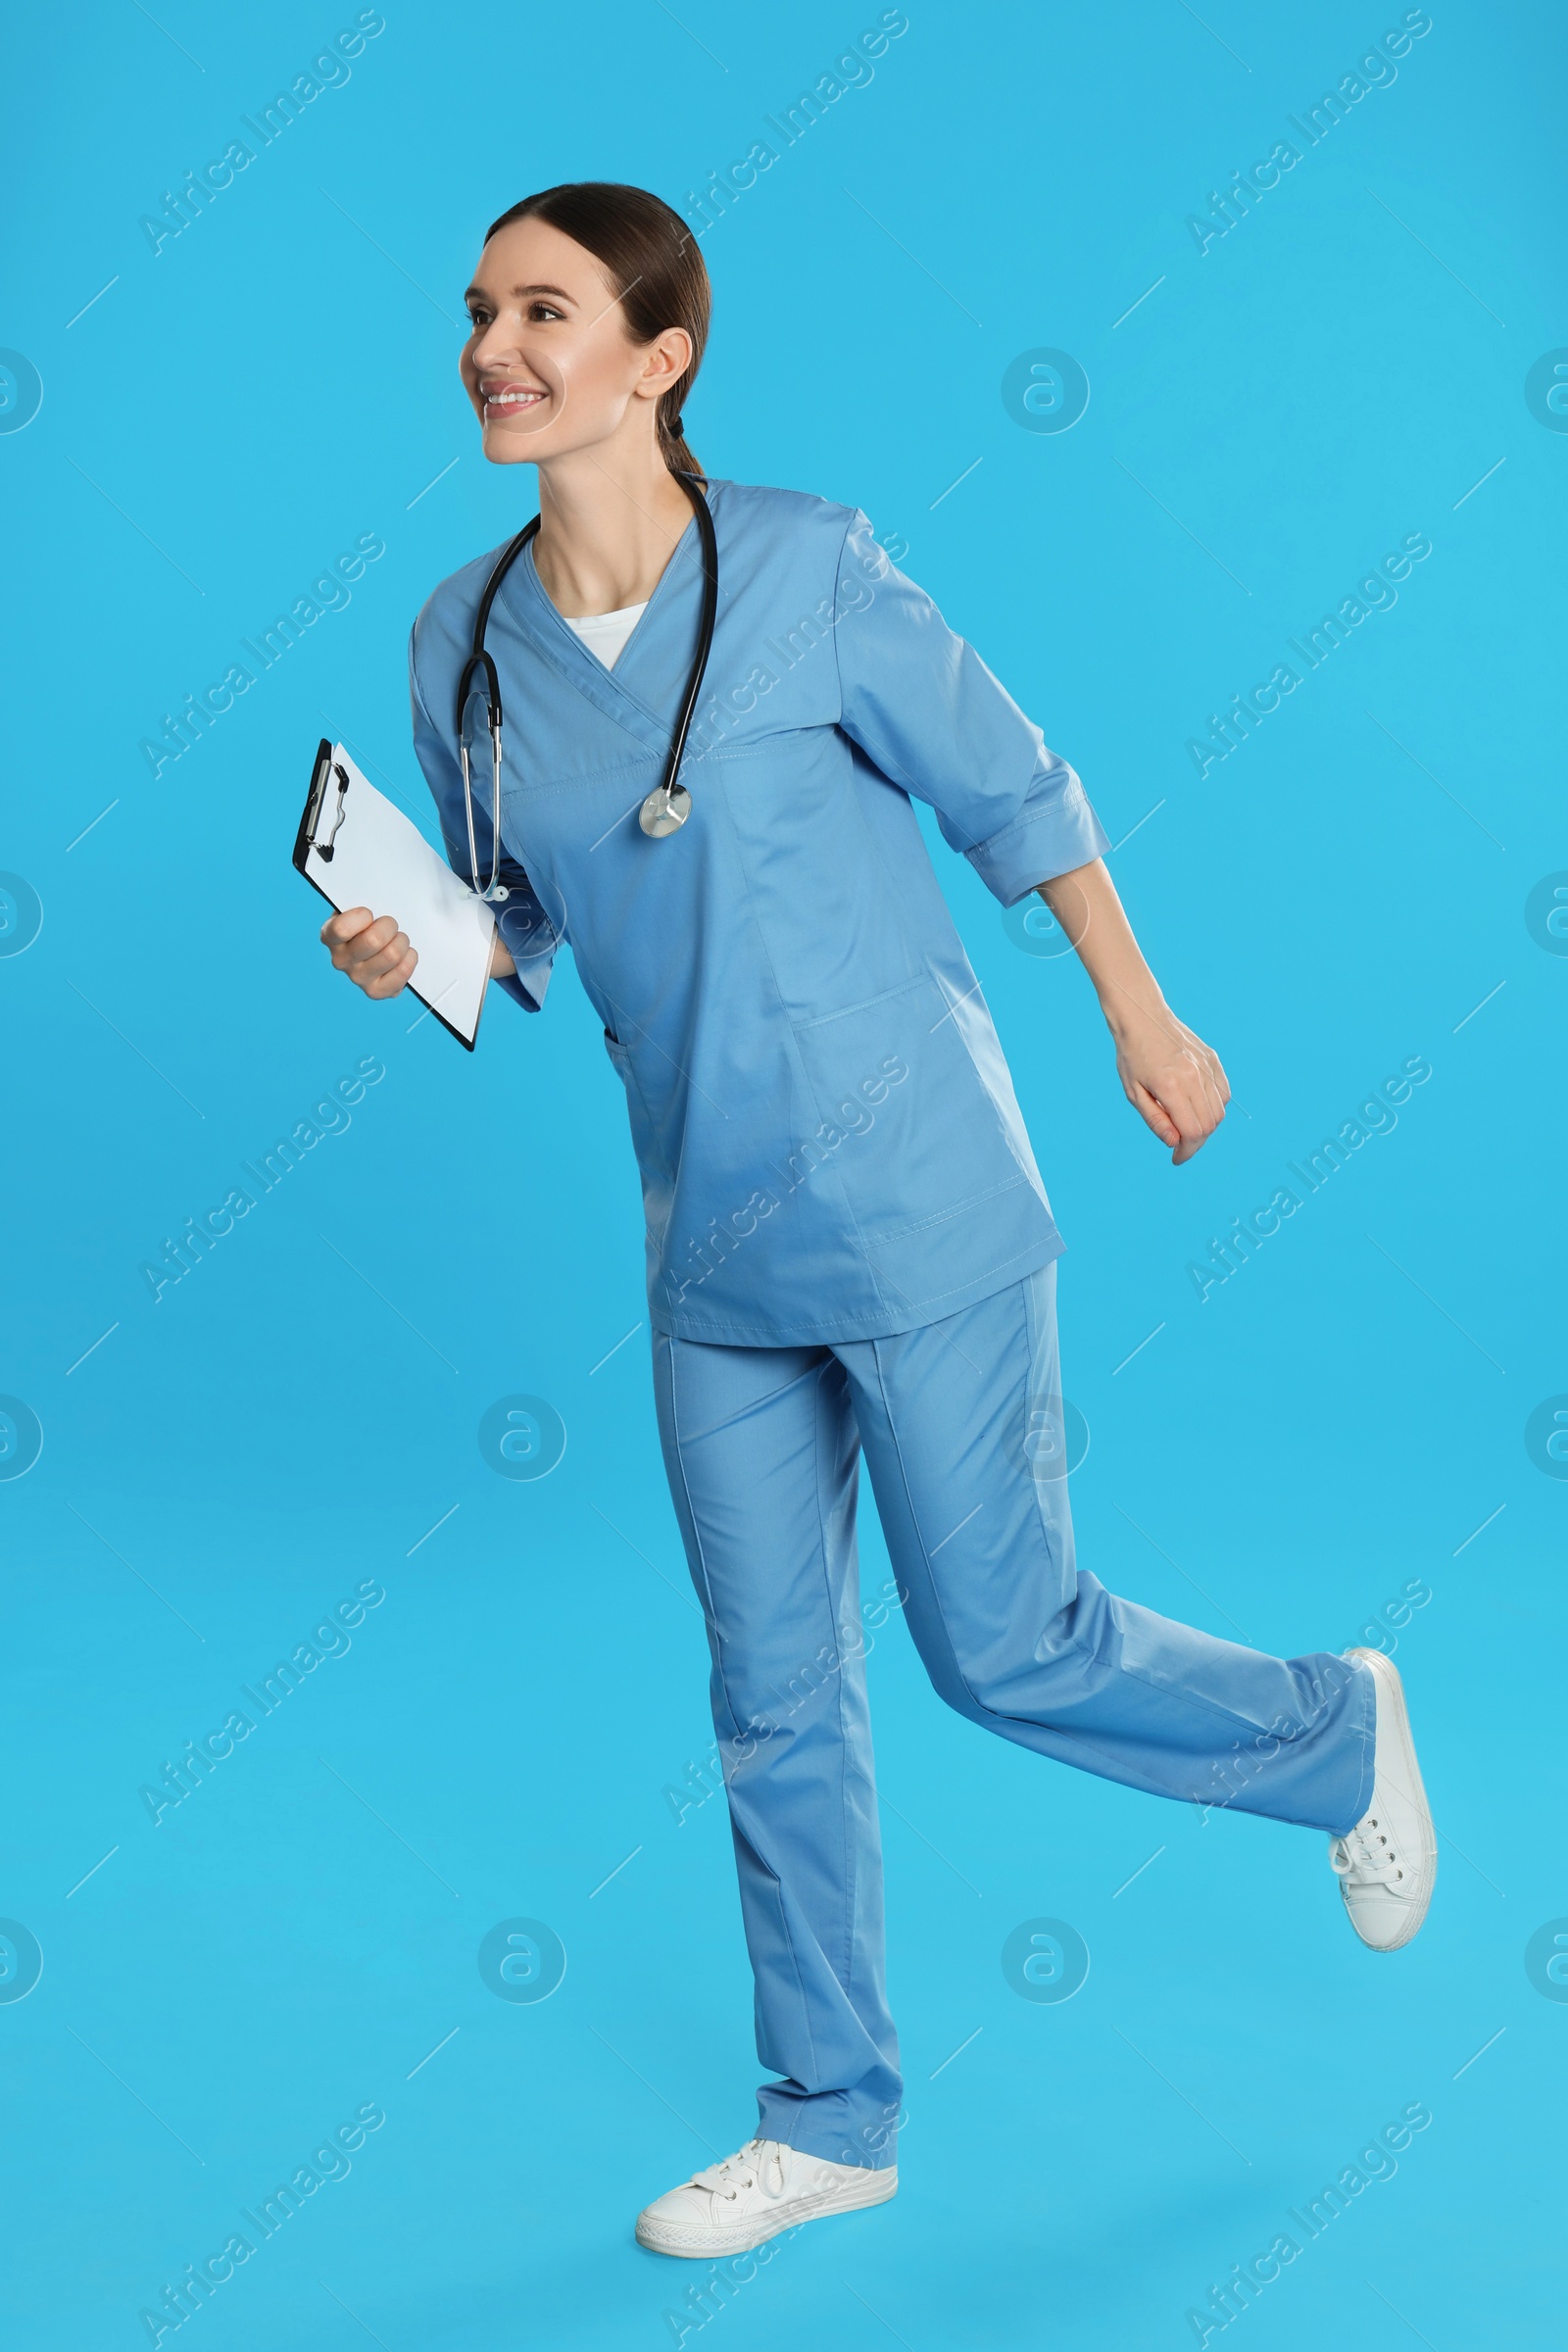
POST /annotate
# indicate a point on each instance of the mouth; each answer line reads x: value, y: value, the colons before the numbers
x: 505, y: 400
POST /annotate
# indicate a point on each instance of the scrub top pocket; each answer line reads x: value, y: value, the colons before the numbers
x: 907, y: 1119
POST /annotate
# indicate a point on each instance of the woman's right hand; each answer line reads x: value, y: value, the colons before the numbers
x: 371, y: 949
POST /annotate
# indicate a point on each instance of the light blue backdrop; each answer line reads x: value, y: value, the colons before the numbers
x: 1363, y: 880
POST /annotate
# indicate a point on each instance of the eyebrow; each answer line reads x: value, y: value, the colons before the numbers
x: 560, y: 292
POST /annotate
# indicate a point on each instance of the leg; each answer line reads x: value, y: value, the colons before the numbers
x: 962, y: 1425
x: 761, y: 1454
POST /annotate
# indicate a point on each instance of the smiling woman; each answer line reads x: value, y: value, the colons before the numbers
x: 590, y: 308
x: 765, y: 968
x: 624, y: 237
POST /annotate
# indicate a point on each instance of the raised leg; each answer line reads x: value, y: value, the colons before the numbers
x: 961, y: 1423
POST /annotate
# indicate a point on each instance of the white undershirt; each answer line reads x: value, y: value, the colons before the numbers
x: 605, y: 633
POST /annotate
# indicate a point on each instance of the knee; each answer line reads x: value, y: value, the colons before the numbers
x: 976, y: 1688
x: 1006, y: 1674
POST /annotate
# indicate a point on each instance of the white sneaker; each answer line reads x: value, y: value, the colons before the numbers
x: 1387, y: 1864
x: 765, y: 2187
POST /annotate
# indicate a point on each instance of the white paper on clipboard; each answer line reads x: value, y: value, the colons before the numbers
x: 380, y: 859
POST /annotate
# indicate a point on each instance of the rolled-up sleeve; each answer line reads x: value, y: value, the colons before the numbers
x: 526, y: 930
x: 922, y: 705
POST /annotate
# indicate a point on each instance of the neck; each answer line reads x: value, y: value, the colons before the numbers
x: 610, y: 521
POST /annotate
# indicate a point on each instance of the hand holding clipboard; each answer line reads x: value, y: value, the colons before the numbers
x: 367, y: 859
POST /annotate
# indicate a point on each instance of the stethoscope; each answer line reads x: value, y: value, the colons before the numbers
x: 669, y: 804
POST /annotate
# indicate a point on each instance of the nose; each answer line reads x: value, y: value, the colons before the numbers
x: 487, y: 349
x: 496, y: 348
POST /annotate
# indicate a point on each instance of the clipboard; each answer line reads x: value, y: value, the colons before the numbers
x: 358, y: 848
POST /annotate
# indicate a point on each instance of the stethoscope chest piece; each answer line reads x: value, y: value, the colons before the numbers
x: 665, y: 811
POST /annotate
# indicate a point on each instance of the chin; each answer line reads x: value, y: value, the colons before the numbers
x: 505, y: 446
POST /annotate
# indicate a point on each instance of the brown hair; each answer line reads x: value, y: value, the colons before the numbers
x: 650, y: 258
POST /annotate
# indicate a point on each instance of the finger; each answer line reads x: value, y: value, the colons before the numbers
x: 343, y: 926
x: 387, y: 966
x: 1193, y: 1115
x: 1210, y: 1061
x: 1185, y: 1091
x: 1205, y: 1084
x: 370, y: 943
x: 1153, y: 1112
x: 392, y: 983
x: 1206, y: 1062
x: 1196, y: 1123
x: 376, y: 967
x: 1205, y: 1098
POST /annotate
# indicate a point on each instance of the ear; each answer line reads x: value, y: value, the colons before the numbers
x: 664, y: 362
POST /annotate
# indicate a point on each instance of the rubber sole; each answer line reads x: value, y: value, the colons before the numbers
x: 692, y: 2244
x: 1404, y: 1773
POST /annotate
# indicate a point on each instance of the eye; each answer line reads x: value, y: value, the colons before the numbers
x: 478, y: 318
x: 544, y: 310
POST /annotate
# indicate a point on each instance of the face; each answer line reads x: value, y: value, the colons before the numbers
x: 548, y: 365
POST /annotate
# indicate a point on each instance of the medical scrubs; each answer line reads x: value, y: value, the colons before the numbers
x: 849, y: 1245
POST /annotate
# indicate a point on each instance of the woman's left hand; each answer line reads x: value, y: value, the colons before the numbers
x: 1171, y: 1079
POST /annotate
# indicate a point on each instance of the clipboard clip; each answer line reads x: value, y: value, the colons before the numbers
x: 327, y: 768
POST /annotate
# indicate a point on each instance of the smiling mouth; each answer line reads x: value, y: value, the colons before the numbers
x: 512, y: 400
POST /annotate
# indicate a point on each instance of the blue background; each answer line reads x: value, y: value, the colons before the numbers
x: 218, y: 1469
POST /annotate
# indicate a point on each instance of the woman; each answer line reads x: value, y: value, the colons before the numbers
x: 849, y: 1245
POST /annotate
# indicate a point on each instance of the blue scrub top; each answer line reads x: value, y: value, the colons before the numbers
x: 828, y: 1137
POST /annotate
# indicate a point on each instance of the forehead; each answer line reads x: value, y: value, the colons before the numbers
x: 532, y: 253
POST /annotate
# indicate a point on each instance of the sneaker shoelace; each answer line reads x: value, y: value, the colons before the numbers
x: 744, y: 2169
x: 1364, y: 1856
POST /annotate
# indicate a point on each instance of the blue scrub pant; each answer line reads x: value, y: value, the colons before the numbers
x: 960, y: 1422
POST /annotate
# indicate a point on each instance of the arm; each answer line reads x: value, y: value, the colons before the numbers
x: 921, y: 703
x: 924, y: 707
x: 1169, y: 1076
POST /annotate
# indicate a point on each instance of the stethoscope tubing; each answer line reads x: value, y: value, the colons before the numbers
x: 661, y: 799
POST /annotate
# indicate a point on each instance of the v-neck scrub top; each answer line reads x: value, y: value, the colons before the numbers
x: 828, y: 1139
